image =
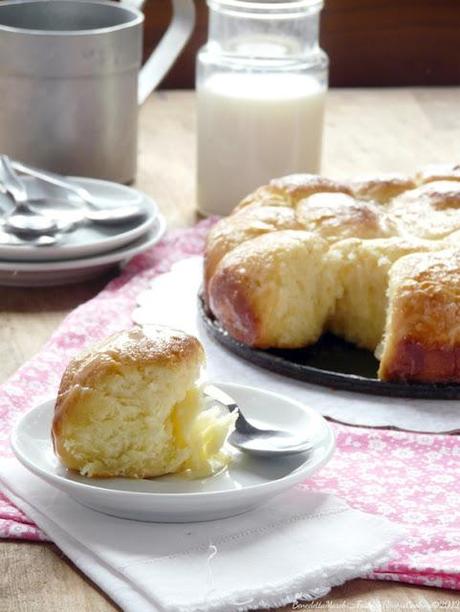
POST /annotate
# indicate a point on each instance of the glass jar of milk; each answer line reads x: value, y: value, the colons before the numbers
x: 261, y: 85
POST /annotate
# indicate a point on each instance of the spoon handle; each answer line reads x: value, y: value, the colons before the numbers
x: 55, y: 179
x: 217, y: 394
x: 13, y: 185
x: 241, y: 424
x: 7, y: 239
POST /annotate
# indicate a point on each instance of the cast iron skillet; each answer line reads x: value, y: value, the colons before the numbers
x: 331, y: 362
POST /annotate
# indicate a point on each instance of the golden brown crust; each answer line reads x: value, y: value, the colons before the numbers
x: 139, y: 346
x: 432, y: 211
x: 336, y: 216
x: 150, y: 344
x: 289, y: 190
x: 452, y: 241
x: 382, y: 188
x: 231, y: 231
x: 230, y: 301
x: 260, y: 288
x: 299, y: 186
x: 417, y: 362
x: 438, y: 172
x: 264, y: 196
x: 422, y: 340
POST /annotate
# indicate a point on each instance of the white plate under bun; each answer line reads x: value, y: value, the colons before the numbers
x: 248, y: 482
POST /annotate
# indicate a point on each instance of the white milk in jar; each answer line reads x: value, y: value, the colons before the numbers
x: 252, y: 128
x: 261, y: 88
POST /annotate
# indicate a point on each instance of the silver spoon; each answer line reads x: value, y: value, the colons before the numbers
x: 22, y: 219
x: 37, y: 222
x: 8, y: 239
x: 32, y: 225
x: 100, y: 216
x: 66, y: 184
x: 254, y: 440
x: 28, y: 219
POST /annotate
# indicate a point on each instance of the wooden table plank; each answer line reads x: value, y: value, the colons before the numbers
x: 366, y: 131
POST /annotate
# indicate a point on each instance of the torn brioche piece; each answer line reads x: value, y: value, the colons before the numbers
x: 422, y: 336
x: 131, y: 407
x: 360, y: 312
x: 276, y: 290
x: 231, y: 231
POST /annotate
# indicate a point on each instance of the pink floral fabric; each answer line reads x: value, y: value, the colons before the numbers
x: 412, y: 479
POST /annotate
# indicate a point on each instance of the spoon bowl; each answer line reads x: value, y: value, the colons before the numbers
x: 45, y: 240
x: 30, y: 224
x: 268, y: 443
x: 37, y: 222
x: 254, y: 440
x: 61, y: 209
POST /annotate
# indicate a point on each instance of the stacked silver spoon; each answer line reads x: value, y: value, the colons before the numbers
x: 57, y: 230
x: 36, y: 219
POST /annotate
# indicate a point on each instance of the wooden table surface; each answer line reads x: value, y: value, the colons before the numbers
x: 366, y: 131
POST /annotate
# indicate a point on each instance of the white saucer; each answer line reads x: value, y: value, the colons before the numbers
x: 88, y: 239
x: 52, y: 273
x: 248, y: 482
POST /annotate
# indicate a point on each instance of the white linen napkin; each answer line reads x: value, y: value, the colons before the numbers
x: 172, y: 300
x: 296, y: 547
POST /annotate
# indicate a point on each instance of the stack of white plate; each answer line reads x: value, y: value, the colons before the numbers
x: 88, y: 250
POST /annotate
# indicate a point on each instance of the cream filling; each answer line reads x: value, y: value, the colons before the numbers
x: 202, y: 433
